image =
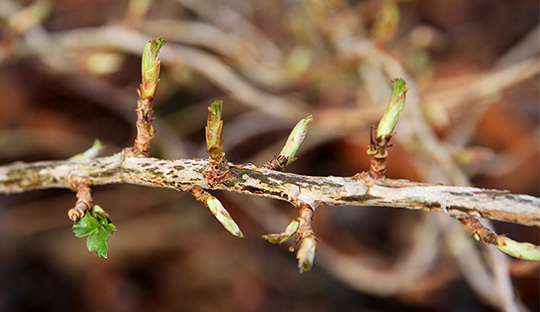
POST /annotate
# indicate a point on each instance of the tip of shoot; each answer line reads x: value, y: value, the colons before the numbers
x: 295, y: 139
x: 150, y: 67
x: 393, y: 110
x: 306, y: 254
x: 214, y: 130
x: 223, y: 216
x: 524, y: 251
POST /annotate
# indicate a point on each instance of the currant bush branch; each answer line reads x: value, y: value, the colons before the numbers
x: 132, y: 166
x: 184, y: 174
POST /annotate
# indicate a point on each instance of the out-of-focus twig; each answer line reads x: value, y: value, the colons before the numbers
x: 233, y: 20
x: 127, y: 40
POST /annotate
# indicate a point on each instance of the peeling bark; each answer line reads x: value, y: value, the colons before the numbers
x: 360, y: 190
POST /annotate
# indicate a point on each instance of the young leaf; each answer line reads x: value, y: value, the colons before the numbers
x: 279, y: 238
x: 393, y: 110
x: 97, y: 241
x: 96, y: 225
x: 89, y: 153
x: 214, y: 129
x: 103, y: 219
x: 85, y: 225
x: 306, y: 254
x: 525, y: 251
x: 295, y: 139
x: 150, y: 67
x: 223, y: 216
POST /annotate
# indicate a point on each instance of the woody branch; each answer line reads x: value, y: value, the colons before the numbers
x: 185, y: 174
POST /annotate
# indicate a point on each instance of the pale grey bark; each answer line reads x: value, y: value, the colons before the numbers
x: 185, y: 174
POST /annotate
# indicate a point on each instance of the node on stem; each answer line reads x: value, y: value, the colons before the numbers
x: 379, y: 140
x: 217, y: 167
x: 150, y: 68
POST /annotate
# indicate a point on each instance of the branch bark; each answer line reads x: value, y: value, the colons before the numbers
x: 360, y: 190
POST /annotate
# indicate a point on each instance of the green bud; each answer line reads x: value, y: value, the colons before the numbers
x: 283, y: 237
x: 393, y: 110
x: 223, y: 216
x: 295, y: 139
x: 214, y: 130
x: 150, y: 67
x: 524, y: 251
x: 306, y: 254
x: 89, y: 153
x: 103, y: 218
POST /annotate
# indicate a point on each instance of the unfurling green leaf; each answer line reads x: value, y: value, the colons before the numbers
x: 97, y: 225
x: 306, y: 254
x: 89, y: 153
x: 223, y: 216
x: 295, y: 139
x: 524, y: 251
x: 279, y: 238
x: 150, y: 67
x: 97, y: 241
x: 103, y: 219
x: 214, y: 130
x: 393, y: 110
x: 85, y: 225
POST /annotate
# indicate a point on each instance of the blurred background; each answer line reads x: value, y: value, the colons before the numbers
x: 69, y: 70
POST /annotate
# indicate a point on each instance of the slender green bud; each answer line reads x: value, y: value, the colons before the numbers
x: 214, y: 129
x: 393, y: 110
x: 283, y: 237
x: 524, y: 251
x: 223, y: 216
x: 91, y: 152
x: 306, y: 254
x: 295, y: 139
x: 150, y: 67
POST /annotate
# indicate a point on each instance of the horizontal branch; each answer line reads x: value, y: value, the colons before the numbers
x: 185, y: 174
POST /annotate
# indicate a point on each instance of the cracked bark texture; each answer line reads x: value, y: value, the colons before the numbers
x: 184, y: 174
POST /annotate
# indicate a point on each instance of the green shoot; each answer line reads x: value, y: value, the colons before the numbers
x: 390, y: 118
x: 97, y: 225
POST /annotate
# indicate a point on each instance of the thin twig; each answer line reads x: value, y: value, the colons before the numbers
x: 84, y: 198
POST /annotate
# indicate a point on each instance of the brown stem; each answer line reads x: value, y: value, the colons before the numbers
x: 145, y: 131
x: 84, y: 198
x: 197, y: 193
x: 277, y: 163
x: 304, y: 220
x: 479, y: 231
x: 377, y: 155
